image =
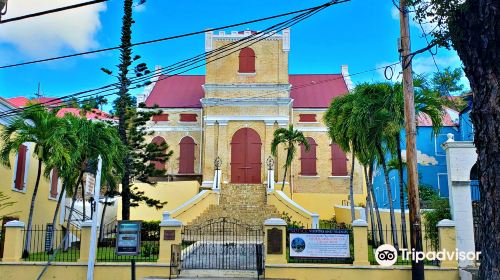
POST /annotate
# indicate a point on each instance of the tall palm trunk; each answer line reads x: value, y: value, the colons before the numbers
x: 27, y: 241
x: 288, y: 155
x: 54, y: 218
x: 73, y: 200
x: 375, y: 204
x: 351, y: 191
x: 401, y: 192
x: 284, y: 178
x: 83, y: 201
x: 389, y: 197
x: 369, y: 213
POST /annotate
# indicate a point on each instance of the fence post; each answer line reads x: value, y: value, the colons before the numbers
x: 447, y: 241
x: 360, y: 232
x: 170, y: 233
x: 85, y: 241
x: 275, y: 241
x: 13, y: 243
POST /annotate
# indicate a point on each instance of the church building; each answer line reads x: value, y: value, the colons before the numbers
x: 230, y: 114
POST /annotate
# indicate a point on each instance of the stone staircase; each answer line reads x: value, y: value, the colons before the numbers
x: 245, y: 203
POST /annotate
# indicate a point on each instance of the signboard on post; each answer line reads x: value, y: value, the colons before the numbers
x: 128, y: 238
x: 319, y: 243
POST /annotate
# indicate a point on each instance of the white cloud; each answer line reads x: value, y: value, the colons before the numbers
x: 48, y: 34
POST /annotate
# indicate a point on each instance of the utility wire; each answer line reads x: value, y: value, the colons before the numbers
x: 52, y: 11
x: 171, y: 37
x: 213, y: 53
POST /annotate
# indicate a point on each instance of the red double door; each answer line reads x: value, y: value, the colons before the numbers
x: 245, y: 157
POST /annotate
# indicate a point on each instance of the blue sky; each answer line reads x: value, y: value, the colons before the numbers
x: 361, y: 34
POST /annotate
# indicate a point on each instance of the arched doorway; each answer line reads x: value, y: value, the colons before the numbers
x: 186, y: 155
x: 245, y: 157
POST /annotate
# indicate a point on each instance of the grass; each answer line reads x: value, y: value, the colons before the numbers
x: 104, y: 254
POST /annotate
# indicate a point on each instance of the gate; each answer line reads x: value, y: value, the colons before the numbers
x: 222, y: 244
x: 476, y: 213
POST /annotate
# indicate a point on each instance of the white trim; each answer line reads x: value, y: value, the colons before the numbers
x: 247, y: 74
x: 174, y: 128
x: 214, y: 118
x: 26, y: 170
x: 312, y: 129
x: 254, y: 86
x: 339, y: 177
x: 309, y: 176
x: 308, y: 122
x: 245, y: 102
x: 318, y: 110
x: 439, y: 182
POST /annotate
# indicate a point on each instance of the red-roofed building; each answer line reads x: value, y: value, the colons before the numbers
x: 22, y: 101
x: 94, y: 114
x: 232, y: 112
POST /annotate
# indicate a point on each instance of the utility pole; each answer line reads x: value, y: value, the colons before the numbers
x: 38, y: 94
x: 417, y: 269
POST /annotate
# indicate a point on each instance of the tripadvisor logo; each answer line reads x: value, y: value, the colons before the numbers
x: 387, y: 255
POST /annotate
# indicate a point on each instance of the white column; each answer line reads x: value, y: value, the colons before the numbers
x: 460, y: 157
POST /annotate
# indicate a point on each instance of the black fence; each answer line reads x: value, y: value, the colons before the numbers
x: 46, y: 243
x: 150, y: 245
x: 327, y: 260
x: 374, y: 241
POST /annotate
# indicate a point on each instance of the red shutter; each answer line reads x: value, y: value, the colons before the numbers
x: 160, y: 118
x: 158, y: 140
x: 307, y: 118
x: 54, y: 183
x: 188, y: 117
x: 186, y: 157
x: 308, y: 159
x: 247, y: 61
x: 339, y: 161
x: 21, y: 167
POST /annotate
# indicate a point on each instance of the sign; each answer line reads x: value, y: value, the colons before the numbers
x: 275, y: 241
x: 319, y: 243
x: 169, y: 234
x: 49, y: 237
x: 128, y: 238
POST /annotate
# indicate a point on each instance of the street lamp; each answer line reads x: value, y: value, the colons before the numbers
x: 3, y: 7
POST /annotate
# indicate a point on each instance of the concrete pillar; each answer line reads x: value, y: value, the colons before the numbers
x: 85, y: 241
x: 170, y: 233
x: 360, y: 233
x: 460, y: 157
x: 275, y: 241
x: 447, y: 241
x: 223, y: 150
x: 13, y: 243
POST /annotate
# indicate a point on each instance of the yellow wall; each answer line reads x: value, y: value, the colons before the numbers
x: 112, y: 271
x: 192, y: 211
x: 174, y: 193
x: 44, y: 206
x: 327, y: 272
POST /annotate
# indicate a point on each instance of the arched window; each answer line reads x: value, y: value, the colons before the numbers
x: 308, y: 158
x: 339, y: 161
x: 247, y: 61
x: 159, y: 165
x: 21, y: 167
x: 186, y: 155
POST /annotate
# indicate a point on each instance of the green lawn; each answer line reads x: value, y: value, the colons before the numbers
x: 104, y: 254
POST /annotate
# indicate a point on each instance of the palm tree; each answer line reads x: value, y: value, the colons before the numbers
x: 290, y: 138
x: 39, y: 126
x: 339, y: 121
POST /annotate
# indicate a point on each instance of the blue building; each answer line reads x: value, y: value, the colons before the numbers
x: 430, y: 155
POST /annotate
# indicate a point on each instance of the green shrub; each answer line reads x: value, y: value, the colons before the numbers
x: 289, y: 222
x: 440, y: 209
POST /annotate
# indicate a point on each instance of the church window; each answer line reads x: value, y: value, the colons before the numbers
x: 247, y: 61
x: 339, y: 161
x: 308, y: 158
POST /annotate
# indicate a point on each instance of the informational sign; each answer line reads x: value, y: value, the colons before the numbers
x: 319, y: 243
x: 128, y: 238
x: 49, y: 237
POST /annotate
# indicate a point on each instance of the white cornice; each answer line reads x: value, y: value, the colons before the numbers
x: 245, y: 101
x: 173, y: 128
x: 320, y: 110
x: 273, y: 87
x: 311, y: 129
x: 281, y: 120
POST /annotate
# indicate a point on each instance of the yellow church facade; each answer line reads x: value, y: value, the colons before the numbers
x: 220, y: 125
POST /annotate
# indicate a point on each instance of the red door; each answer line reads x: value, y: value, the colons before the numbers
x: 186, y: 158
x: 245, y: 157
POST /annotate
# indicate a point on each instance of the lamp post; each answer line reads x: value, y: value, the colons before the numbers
x: 3, y: 8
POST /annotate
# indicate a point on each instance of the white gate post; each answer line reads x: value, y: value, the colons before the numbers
x: 460, y: 157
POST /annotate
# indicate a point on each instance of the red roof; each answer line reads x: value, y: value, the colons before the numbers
x: 316, y: 91
x: 182, y: 91
x: 94, y: 114
x: 450, y: 118
x: 22, y: 101
x: 308, y: 91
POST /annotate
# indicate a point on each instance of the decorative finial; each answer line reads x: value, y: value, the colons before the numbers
x: 217, y: 163
x: 270, y: 163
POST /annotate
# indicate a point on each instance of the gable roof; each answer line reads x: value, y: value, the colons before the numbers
x: 22, y: 101
x: 450, y: 118
x: 308, y: 90
x: 94, y: 114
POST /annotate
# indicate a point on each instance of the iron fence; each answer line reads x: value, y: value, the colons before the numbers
x: 326, y: 229
x: 45, y: 241
x: 106, y: 247
x: 374, y: 240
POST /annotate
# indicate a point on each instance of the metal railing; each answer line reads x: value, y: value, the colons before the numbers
x: 44, y: 240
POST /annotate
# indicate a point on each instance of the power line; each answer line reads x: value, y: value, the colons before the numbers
x: 169, y: 38
x: 213, y: 53
x: 52, y: 11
